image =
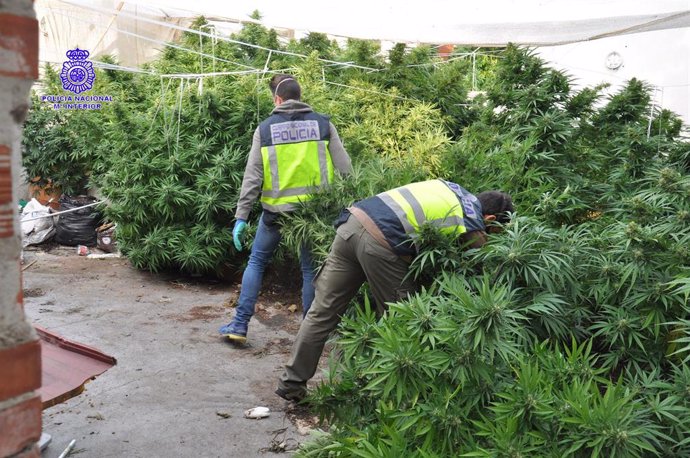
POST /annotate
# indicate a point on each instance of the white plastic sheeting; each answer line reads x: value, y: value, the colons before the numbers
x: 488, y: 23
x: 100, y: 23
x: 660, y: 58
x: 651, y: 37
x: 64, y: 26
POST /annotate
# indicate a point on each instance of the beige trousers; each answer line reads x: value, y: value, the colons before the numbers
x: 355, y: 257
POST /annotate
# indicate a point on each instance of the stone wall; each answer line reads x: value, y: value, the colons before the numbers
x: 20, y: 357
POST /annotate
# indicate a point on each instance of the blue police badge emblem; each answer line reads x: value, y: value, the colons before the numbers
x: 77, y: 73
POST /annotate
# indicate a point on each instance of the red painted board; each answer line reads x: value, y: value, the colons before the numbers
x: 66, y: 366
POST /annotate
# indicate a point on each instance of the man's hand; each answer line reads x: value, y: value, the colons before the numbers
x: 238, y: 233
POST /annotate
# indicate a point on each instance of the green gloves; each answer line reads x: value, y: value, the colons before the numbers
x: 238, y: 233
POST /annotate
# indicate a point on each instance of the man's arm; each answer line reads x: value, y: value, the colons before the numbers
x: 341, y: 160
x: 253, y: 179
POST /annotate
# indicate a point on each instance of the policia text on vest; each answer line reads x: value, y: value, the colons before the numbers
x: 295, y: 131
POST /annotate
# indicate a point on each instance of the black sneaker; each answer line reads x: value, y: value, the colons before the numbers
x: 293, y: 396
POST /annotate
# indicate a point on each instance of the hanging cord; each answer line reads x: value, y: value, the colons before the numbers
x: 258, y: 106
x: 268, y: 59
x: 214, y: 40
x: 651, y: 113
x: 661, y: 104
x: 201, y: 52
x: 258, y: 87
x: 167, y: 119
x: 179, y: 116
x: 474, y: 69
x: 200, y: 80
x: 160, y: 103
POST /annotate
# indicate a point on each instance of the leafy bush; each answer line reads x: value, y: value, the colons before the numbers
x: 566, y: 334
x: 169, y: 153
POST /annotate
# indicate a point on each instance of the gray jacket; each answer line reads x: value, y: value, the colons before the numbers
x: 254, y: 172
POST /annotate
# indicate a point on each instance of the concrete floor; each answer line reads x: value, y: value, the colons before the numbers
x: 178, y: 389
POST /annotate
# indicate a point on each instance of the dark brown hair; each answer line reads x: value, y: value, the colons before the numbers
x: 497, y: 203
x: 285, y: 86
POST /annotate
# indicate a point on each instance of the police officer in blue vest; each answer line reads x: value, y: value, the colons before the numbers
x: 295, y: 153
x: 375, y: 242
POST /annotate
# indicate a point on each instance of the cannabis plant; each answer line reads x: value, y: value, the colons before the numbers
x: 567, y: 333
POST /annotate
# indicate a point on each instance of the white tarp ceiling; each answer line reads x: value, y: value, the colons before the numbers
x: 489, y: 23
x: 653, y: 36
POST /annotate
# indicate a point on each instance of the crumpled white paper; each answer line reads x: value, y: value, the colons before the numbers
x: 257, y: 413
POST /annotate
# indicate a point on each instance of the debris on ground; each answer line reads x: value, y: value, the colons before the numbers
x: 103, y: 255
x: 69, y: 448
x: 303, y: 419
x: 281, y: 443
x: 257, y: 413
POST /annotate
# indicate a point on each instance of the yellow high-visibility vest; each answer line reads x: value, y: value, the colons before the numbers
x: 296, y: 160
x: 431, y: 202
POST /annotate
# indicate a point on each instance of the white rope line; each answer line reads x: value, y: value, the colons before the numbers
x: 368, y: 90
x: 198, y: 32
x: 651, y: 114
x: 201, y: 51
x: 109, y: 66
x: 160, y: 103
x: 268, y: 59
x: 50, y: 215
x: 202, y: 75
x: 213, y: 43
x: 179, y: 115
x: 167, y: 117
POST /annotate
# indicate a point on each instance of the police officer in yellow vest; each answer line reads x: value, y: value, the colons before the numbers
x: 375, y: 242
x: 295, y: 152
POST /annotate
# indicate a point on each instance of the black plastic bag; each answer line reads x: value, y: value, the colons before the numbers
x: 77, y: 227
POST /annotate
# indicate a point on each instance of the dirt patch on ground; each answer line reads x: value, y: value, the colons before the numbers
x: 201, y: 312
x: 33, y: 292
x: 275, y: 346
x: 277, y: 315
x: 304, y: 418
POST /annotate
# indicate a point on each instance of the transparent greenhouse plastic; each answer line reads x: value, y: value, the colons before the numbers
x: 649, y: 40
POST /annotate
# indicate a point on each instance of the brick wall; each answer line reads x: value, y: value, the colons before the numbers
x: 20, y: 358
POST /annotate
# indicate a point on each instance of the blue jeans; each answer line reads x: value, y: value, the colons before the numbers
x: 265, y: 243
